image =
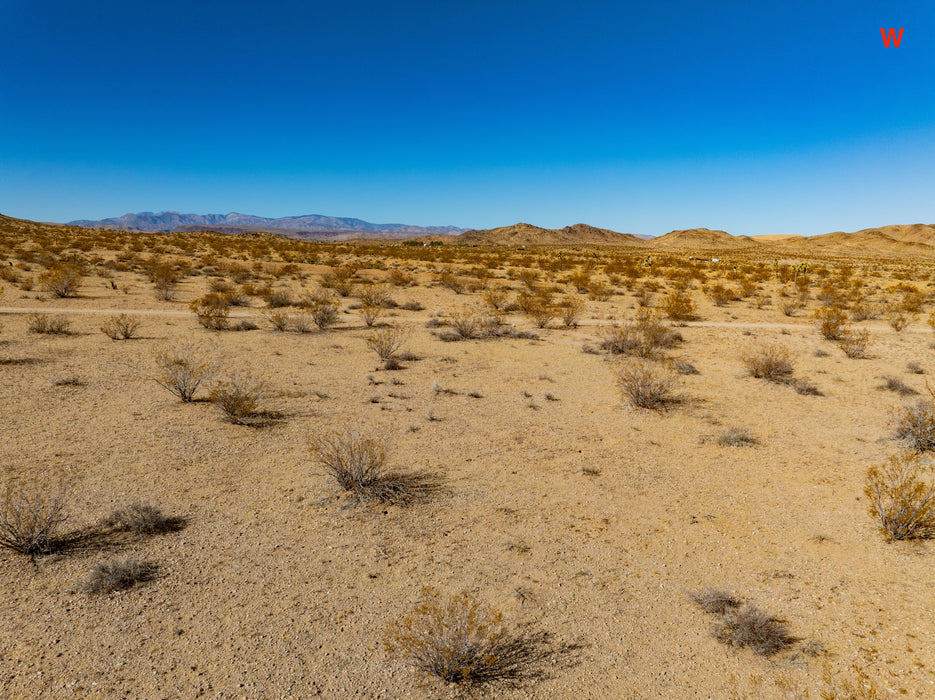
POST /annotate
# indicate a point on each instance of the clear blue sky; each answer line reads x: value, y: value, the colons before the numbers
x: 753, y: 117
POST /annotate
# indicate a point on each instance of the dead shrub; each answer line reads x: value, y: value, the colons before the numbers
x: 386, y: 342
x: 238, y: 397
x: 183, y: 367
x: 461, y: 641
x: 899, y: 319
x: 751, y: 627
x: 897, y: 385
x: 789, y: 307
x: 496, y: 298
x: 902, y: 496
x: 370, y: 313
x: 646, y: 384
x: 855, y: 344
x: 771, y: 362
x: 47, y: 324
x: 212, y: 311
x: 63, y: 281
x: 466, y: 323
x: 120, y: 327
x: 30, y: 518
x: 915, y: 425
x: 118, y: 574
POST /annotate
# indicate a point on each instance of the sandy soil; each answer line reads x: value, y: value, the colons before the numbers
x: 562, y: 507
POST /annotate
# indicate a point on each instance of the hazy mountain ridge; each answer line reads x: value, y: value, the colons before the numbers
x: 171, y: 220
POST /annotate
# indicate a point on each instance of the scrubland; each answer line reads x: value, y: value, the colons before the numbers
x: 245, y: 466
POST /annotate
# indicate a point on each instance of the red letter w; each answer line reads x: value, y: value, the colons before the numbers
x: 892, y: 38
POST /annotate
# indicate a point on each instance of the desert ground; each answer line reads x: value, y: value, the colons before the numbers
x: 539, y: 488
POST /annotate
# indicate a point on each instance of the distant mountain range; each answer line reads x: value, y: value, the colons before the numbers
x: 242, y: 223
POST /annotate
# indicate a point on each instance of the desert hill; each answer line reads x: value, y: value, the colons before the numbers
x: 702, y: 238
x: 909, y: 239
x: 527, y: 234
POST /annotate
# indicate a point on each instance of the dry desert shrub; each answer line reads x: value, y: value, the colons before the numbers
x: 120, y: 327
x: 323, y: 308
x: 63, y: 281
x: 212, y: 311
x: 278, y: 319
x: 465, y: 642
x: 790, y: 307
x: 771, y: 362
x: 751, y: 627
x: 143, y: 519
x: 30, y: 517
x: 386, y: 342
x: 899, y: 319
x: 646, y: 384
x: 643, y: 336
x: 831, y: 322
x: 897, y: 385
x: 570, y: 310
x: 466, y: 323
x: 855, y: 344
x: 238, y: 397
x: 679, y: 306
x: 902, y: 496
x: 370, y: 313
x: 915, y: 425
x: 183, y: 367
x: 496, y: 298
x: 118, y: 574
x: 47, y: 324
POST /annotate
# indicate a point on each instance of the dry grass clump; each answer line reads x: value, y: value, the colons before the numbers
x: 772, y: 362
x: 646, y: 384
x: 860, y: 687
x: 897, y: 385
x: 902, y: 496
x: 915, y: 425
x: 30, y: 518
x: 386, y: 342
x: 359, y: 465
x: 47, y: 324
x: 119, y: 574
x: 183, y: 367
x: 120, y: 327
x: 736, y: 437
x: 462, y: 641
x: 212, y: 311
x: 143, y: 519
x: 238, y: 397
x: 63, y: 281
x: 751, y: 627
x: 715, y: 601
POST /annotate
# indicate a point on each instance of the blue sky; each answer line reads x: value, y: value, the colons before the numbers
x: 756, y: 118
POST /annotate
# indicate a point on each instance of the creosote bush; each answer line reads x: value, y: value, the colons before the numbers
x: 831, y: 322
x: 855, y: 344
x: 646, y: 384
x: 212, y: 311
x: 30, y: 518
x: 118, y: 574
x: 120, y: 327
x: 902, y: 496
x: 679, y: 306
x: 63, y: 281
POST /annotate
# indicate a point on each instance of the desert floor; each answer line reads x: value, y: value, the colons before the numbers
x: 561, y: 506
